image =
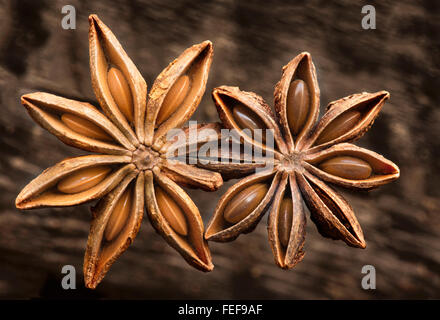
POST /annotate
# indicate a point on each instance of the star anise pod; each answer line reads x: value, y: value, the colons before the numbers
x: 306, y: 154
x: 130, y: 170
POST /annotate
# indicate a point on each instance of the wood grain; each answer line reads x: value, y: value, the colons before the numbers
x: 252, y: 41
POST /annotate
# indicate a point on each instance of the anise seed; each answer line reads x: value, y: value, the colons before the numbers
x: 298, y: 105
x: 174, y: 98
x: 118, y: 216
x: 84, y: 127
x: 83, y: 179
x: 121, y: 92
x: 339, y: 126
x: 285, y: 221
x: 347, y: 167
x: 242, y: 204
x: 171, y: 211
x: 246, y: 119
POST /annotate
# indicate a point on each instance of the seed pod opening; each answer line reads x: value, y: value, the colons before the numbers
x: 348, y: 119
x: 175, y: 97
x: 175, y: 216
x: 298, y: 105
x: 83, y: 179
x: 333, y: 207
x: 347, y: 167
x: 339, y: 126
x: 244, y: 202
x: 117, y: 83
x: 171, y: 211
x: 297, y: 99
x: 113, y: 78
x: 84, y: 127
x: 245, y: 118
x: 120, y: 91
x: 331, y: 213
x: 250, y: 116
x: 241, y: 208
x: 76, y: 123
x: 351, y: 166
x: 74, y: 181
x: 285, y: 217
x: 119, y: 215
x: 177, y: 92
x: 286, y: 225
x: 120, y: 212
x: 186, y: 89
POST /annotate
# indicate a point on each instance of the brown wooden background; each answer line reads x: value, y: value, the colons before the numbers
x: 252, y: 41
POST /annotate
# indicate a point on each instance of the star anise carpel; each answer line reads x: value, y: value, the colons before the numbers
x: 130, y: 170
x: 306, y: 154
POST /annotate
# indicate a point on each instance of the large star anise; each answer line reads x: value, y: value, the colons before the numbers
x: 306, y: 153
x: 130, y: 170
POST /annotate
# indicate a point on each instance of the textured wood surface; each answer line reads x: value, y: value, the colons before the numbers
x: 252, y: 41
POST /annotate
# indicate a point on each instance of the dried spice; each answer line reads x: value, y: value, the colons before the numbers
x: 306, y: 154
x: 130, y: 170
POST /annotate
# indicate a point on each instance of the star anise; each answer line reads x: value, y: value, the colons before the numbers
x: 130, y: 170
x: 306, y: 153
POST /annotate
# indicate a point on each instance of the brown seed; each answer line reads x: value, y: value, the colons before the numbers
x: 119, y: 215
x: 121, y: 92
x: 84, y: 127
x: 339, y: 126
x: 171, y: 211
x: 244, y: 202
x: 285, y: 216
x: 347, y: 167
x: 83, y: 179
x: 298, y: 105
x: 247, y: 119
x: 174, y: 98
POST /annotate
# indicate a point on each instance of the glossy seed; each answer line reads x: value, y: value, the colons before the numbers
x: 285, y: 216
x: 244, y: 202
x: 174, y: 98
x: 84, y: 127
x: 339, y: 126
x: 121, y: 92
x: 247, y: 119
x: 83, y: 179
x: 347, y: 167
x: 298, y: 105
x: 171, y: 211
x: 118, y: 216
